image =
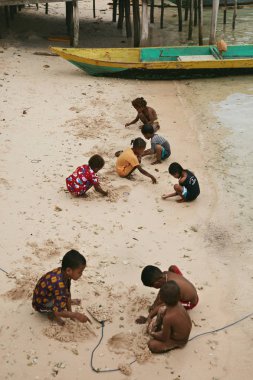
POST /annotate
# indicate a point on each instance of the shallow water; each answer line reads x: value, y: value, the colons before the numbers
x: 169, y: 35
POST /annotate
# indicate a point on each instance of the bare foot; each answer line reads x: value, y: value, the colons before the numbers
x: 58, y: 320
x: 76, y: 301
x: 141, y: 320
x: 180, y: 200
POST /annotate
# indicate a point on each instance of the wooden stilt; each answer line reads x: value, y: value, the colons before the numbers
x: 162, y: 14
x: 180, y: 16
x: 69, y: 15
x: 215, y: 10
x: 136, y: 22
x: 94, y: 8
x: 186, y: 10
x: 7, y: 16
x: 75, y: 23
x: 128, y: 18
x: 12, y: 13
x: 37, y: 6
x: 46, y: 9
x: 225, y: 13
x: 191, y: 20
x: 200, y: 21
x: 195, y: 13
x: 234, y: 15
x: 152, y: 8
x: 114, y: 10
x: 121, y: 14
x: 144, y: 23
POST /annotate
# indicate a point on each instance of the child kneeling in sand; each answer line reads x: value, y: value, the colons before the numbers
x: 52, y: 292
x: 144, y: 113
x: 153, y: 277
x: 188, y: 186
x: 172, y: 325
x: 84, y: 177
x: 159, y: 145
x: 129, y: 160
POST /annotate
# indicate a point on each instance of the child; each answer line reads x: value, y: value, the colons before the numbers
x: 188, y: 186
x: 84, y: 177
x: 146, y: 114
x: 159, y: 146
x: 129, y: 160
x: 52, y: 292
x: 153, y: 277
x: 173, y: 325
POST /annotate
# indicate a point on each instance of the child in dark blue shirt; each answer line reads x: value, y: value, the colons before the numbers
x: 187, y: 187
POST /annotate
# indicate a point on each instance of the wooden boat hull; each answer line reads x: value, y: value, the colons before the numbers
x: 153, y: 63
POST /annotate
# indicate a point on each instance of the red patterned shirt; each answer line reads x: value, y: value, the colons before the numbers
x: 51, y: 292
x: 81, y: 180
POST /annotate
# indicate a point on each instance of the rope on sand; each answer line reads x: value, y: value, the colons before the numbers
x: 102, y: 323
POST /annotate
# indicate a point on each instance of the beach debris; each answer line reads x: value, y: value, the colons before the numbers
x: 125, y: 369
x: 46, y: 66
x: 57, y: 208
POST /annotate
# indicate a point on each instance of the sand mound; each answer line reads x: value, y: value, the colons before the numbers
x: 23, y: 289
x: 72, y: 331
x: 48, y: 249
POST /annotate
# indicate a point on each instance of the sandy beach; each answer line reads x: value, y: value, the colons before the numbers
x: 53, y: 118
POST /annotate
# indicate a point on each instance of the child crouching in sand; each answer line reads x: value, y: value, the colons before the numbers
x: 159, y: 145
x: 144, y: 113
x: 52, y: 292
x: 188, y: 186
x: 84, y: 177
x: 172, y: 325
x: 153, y: 277
x: 129, y: 160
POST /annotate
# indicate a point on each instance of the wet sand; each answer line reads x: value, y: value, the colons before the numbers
x: 53, y: 117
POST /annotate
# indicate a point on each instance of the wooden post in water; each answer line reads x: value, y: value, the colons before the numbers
x: 234, y: 15
x: 121, y: 14
x: 225, y: 13
x: 75, y: 23
x: 195, y: 13
x: 180, y: 16
x: 69, y: 15
x: 136, y: 22
x: 162, y: 14
x: 94, y: 8
x: 200, y: 20
x: 191, y: 20
x: 152, y: 7
x: 144, y: 23
x: 215, y: 10
x: 114, y: 10
x: 128, y: 18
x: 7, y: 18
x: 186, y: 10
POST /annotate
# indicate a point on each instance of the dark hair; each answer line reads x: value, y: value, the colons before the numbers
x: 139, y: 102
x: 147, y: 129
x: 73, y: 259
x: 150, y: 274
x: 170, y: 293
x: 138, y: 143
x: 96, y: 162
x: 175, y: 168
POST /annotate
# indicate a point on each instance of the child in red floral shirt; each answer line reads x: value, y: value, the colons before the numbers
x: 52, y: 292
x: 84, y: 177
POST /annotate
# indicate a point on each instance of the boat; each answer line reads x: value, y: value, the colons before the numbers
x: 161, y: 62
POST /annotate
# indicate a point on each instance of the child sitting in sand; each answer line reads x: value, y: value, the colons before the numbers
x: 153, y: 277
x: 129, y: 160
x: 159, y: 145
x: 52, y: 292
x: 172, y: 325
x: 146, y: 114
x: 188, y: 186
x: 84, y: 177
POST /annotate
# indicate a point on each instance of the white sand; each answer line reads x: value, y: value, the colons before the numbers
x: 70, y: 116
